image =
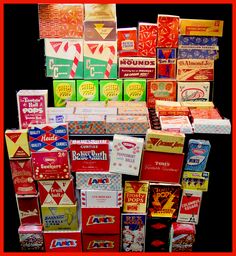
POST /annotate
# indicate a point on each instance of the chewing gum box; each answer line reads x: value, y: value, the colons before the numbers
x: 32, y: 107
x: 87, y: 90
x: 111, y: 90
x: 195, y: 180
x: 135, y: 90
x: 166, y: 63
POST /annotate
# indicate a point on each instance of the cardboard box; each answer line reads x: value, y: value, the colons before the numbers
x: 161, y: 167
x: 64, y: 58
x: 166, y: 63
x: 98, y: 181
x: 133, y: 230
x: 133, y: 111
x: 58, y: 115
x: 22, y: 176
x: 31, y: 238
x: 195, y: 180
x: 135, y: 196
x: 126, y: 155
x: 87, y: 90
x: 17, y: 143
x: 137, y: 67
x: 111, y: 90
x: 126, y: 104
x: 166, y: 103
x: 172, y: 111
x: 60, y: 217
x: 48, y: 137
x: 135, y: 90
x: 211, y: 113
x: 101, y: 220
x: 196, y: 104
x: 100, y: 11
x: 32, y: 107
x: 85, y: 103
x: 95, y: 111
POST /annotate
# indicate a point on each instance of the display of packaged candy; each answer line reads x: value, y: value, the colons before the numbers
x: 127, y: 42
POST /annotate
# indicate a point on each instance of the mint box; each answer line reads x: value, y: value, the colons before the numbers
x: 135, y: 90
x: 87, y: 90
x: 111, y: 90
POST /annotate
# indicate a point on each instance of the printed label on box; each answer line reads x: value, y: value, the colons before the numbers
x: 87, y: 90
x: 135, y: 90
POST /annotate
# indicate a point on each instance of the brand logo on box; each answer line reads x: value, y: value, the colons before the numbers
x: 99, y: 181
x: 100, y: 219
x: 63, y: 243
x: 28, y: 213
x: 89, y: 155
x: 100, y: 244
x: 158, y: 142
x: 197, y: 151
x: 128, y: 145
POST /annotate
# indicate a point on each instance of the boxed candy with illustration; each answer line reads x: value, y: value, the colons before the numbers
x: 166, y: 63
x: 59, y: 115
x: 87, y: 90
x: 111, y: 90
x: 127, y: 42
x: 195, y: 180
x: 134, y: 90
x: 176, y: 124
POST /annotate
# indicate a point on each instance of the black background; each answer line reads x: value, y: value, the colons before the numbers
x: 24, y: 69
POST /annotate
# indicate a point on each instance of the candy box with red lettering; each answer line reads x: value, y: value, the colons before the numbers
x: 89, y: 155
x: 48, y: 137
x: 101, y: 220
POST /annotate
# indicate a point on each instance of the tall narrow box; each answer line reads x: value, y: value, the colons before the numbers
x: 127, y: 41
x: 166, y: 63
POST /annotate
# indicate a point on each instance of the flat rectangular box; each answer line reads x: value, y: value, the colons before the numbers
x: 176, y: 124
x: 89, y: 155
x: 135, y: 90
x: 126, y: 104
x: 133, y: 111
x: 196, y: 104
x: 64, y: 110
x: 100, y: 199
x: 172, y: 111
x: 101, y: 220
x: 32, y: 107
x: 137, y: 67
x: 58, y: 115
x: 17, y: 143
x: 95, y: 111
x: 98, y: 181
x: 166, y: 103
x: 189, y: 53
x: 85, y: 104
x: 211, y: 113
x: 100, y: 11
x: 111, y: 90
x: 166, y: 63
x: 161, y: 167
x: 60, y: 217
x: 133, y: 231
x: 87, y: 90
x: 195, y: 180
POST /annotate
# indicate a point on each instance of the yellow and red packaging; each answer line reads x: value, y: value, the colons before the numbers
x: 198, y: 105
x: 17, y: 143
x: 101, y: 220
x: 127, y: 42
x: 172, y: 111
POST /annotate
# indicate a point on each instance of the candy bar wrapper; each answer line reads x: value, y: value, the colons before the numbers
x: 133, y: 230
x: 135, y: 196
x: 194, y: 27
x: 187, y: 53
x: 172, y: 111
x: 61, y: 21
x: 135, y: 90
x: 168, y: 31
x: 211, y: 113
x: 63, y: 90
x: 100, y: 11
x: 63, y: 241
x: 163, y: 141
x: 31, y: 238
x: 147, y: 39
x: 100, y: 60
x: 137, y: 67
x: 101, y: 220
x: 101, y: 199
x: 17, y: 143
x: 193, y: 91
x: 198, y: 152
x: 166, y: 103
x: 127, y: 42
x: 200, y: 42
x: 48, y: 137
x: 100, y: 30
x: 28, y: 209
x: 190, y: 206
x: 32, y: 107
x: 126, y: 104
x: 95, y: 111
x: 96, y: 104
x: 89, y: 155
x: 64, y: 58
x: 60, y: 217
x: 195, y: 70
x: 176, y: 124
x: 160, y: 90
x: 101, y: 243
x: 134, y: 111
x: 164, y: 200
x: 195, y: 180
x: 166, y: 63
x: 111, y: 90
x: 126, y: 155
x: 22, y: 175
x: 58, y: 115
x: 87, y: 90
x: 198, y: 105
x: 98, y: 181
x: 161, y: 167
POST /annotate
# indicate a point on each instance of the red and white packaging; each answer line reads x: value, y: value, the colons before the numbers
x: 28, y: 209
x: 50, y: 165
x: 56, y: 192
x: 101, y: 220
x: 22, y: 176
x: 176, y: 124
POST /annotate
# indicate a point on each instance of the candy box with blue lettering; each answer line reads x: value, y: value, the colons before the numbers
x: 48, y: 137
x: 198, y: 152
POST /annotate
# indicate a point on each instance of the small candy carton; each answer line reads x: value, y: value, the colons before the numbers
x: 166, y: 63
x: 58, y: 115
x: 17, y: 143
x: 95, y: 111
x: 32, y: 107
x: 133, y: 232
x: 31, y: 238
x: 100, y: 11
x: 87, y: 90
x: 96, y: 104
x: 135, y: 90
x: 89, y: 155
x: 211, y: 113
x: 135, y: 196
x: 165, y: 103
x: 126, y: 155
x: 133, y: 111
x: 195, y: 180
x: 126, y: 104
x: 196, y: 104
x: 172, y: 111
x: 111, y: 90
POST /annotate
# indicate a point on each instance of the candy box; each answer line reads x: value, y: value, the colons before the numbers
x: 135, y: 90
x: 85, y: 103
x: 60, y: 217
x: 126, y: 155
x: 101, y: 220
x: 133, y: 111
x: 164, y: 141
x: 87, y: 90
x: 89, y: 155
x: 58, y: 115
x: 190, y: 206
x: 195, y: 180
x: 165, y: 103
x: 95, y: 111
x: 166, y: 63
x: 22, y: 176
x: 101, y: 199
x: 28, y: 209
x: 196, y: 104
x: 133, y: 228
x: 126, y: 104
x: 161, y: 167
x: 111, y: 90
x: 17, y: 143
x: 100, y: 11
x: 198, y: 152
x: 31, y: 237
x: 172, y: 111
x: 48, y: 137
x: 211, y: 113
x: 98, y: 181
x: 135, y: 196
x: 32, y: 107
